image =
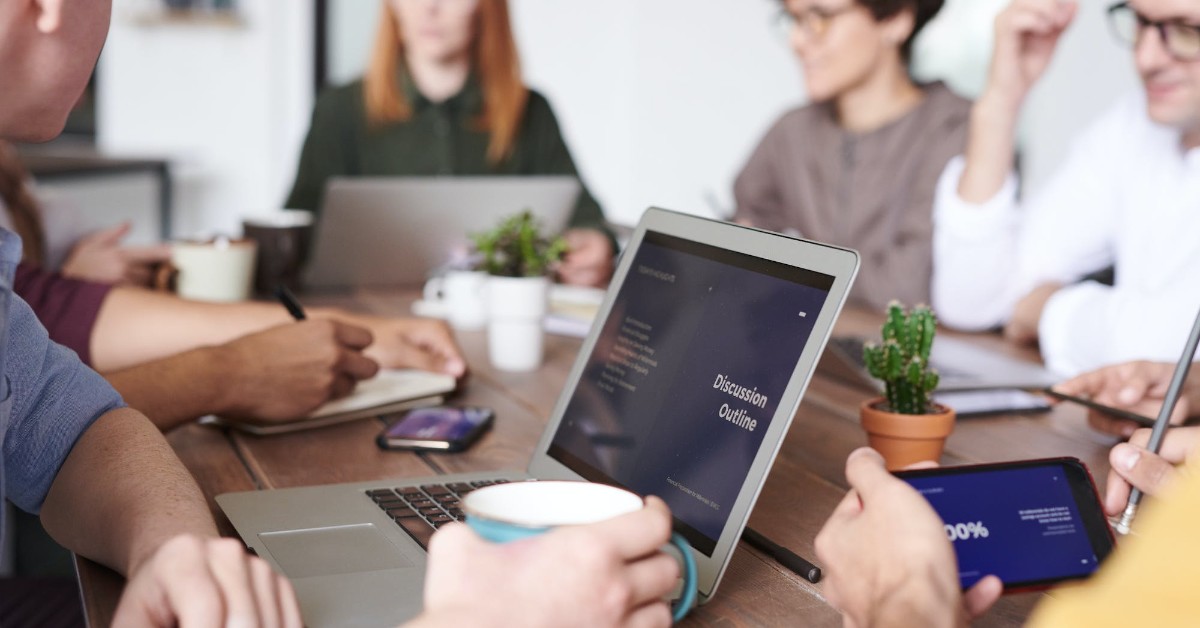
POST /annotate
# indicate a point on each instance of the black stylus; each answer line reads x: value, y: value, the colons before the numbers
x: 783, y: 555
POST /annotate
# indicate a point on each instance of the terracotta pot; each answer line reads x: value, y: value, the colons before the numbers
x: 903, y: 439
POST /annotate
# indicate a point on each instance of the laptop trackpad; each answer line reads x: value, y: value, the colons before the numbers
x: 333, y: 551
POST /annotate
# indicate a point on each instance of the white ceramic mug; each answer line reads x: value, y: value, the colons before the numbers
x: 517, y: 510
x: 516, y: 307
x: 218, y: 270
x: 460, y: 294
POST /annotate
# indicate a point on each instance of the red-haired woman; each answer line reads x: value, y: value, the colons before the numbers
x: 442, y: 95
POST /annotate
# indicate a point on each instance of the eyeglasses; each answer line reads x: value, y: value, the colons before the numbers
x: 814, y: 21
x: 1181, y: 40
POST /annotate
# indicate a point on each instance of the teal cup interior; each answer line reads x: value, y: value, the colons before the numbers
x: 519, y: 510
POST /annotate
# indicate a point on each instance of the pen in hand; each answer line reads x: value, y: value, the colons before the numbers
x: 1123, y: 525
x: 289, y: 301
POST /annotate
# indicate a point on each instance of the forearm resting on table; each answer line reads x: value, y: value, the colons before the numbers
x: 179, y: 389
x: 136, y: 326
x: 121, y: 493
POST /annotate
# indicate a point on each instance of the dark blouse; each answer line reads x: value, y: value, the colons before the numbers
x: 440, y: 139
x: 67, y: 308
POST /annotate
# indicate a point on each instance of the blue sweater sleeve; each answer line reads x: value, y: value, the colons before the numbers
x: 53, y: 399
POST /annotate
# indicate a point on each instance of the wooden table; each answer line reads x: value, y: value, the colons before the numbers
x: 803, y: 487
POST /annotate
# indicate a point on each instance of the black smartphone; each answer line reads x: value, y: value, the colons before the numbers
x: 1032, y: 523
x: 968, y: 403
x: 1109, y: 410
x: 437, y: 428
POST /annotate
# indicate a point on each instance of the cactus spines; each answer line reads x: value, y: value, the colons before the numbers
x: 901, y: 361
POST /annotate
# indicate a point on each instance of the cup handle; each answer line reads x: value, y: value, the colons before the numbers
x: 433, y: 290
x: 688, y: 599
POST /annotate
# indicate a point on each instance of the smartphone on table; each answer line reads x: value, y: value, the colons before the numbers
x: 1119, y: 413
x: 1032, y: 523
x: 437, y: 428
x: 969, y: 403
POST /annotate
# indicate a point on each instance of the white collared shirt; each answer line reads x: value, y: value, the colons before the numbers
x: 1128, y: 195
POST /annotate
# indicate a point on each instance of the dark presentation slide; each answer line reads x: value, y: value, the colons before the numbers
x: 1021, y: 524
x: 686, y: 376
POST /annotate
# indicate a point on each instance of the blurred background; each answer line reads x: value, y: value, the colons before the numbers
x: 198, y: 108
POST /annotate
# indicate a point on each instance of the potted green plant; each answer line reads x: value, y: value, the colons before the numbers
x: 905, y: 425
x: 518, y: 260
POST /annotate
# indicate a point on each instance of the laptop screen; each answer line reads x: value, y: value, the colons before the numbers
x: 686, y: 375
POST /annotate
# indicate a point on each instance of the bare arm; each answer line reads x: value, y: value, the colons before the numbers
x: 282, y: 373
x: 121, y: 493
x: 1026, y: 36
x: 175, y: 390
x: 135, y: 326
x: 122, y: 498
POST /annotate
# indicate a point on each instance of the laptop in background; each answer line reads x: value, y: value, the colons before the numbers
x: 388, y: 231
x: 684, y: 388
x: 961, y: 365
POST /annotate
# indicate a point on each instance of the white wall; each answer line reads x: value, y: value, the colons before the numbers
x: 660, y: 101
x: 229, y: 104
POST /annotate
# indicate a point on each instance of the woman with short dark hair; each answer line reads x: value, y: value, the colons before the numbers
x: 859, y: 165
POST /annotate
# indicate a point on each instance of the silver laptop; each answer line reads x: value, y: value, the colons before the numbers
x: 960, y: 364
x: 685, y: 388
x: 376, y: 231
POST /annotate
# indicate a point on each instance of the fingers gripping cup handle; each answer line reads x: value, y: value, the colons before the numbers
x: 686, y: 601
x: 518, y: 510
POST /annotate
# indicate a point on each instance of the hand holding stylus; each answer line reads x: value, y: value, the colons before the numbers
x: 1154, y: 443
x: 1135, y: 467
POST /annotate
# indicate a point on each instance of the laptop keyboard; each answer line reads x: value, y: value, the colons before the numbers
x: 421, y: 510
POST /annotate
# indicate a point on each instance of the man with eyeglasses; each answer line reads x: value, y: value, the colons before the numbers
x: 1128, y: 196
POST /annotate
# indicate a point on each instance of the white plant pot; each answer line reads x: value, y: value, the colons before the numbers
x: 516, y: 307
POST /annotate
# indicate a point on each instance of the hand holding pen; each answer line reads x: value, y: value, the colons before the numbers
x: 290, y: 302
x: 1134, y: 466
x: 1155, y: 440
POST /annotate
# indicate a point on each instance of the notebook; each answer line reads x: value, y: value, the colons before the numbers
x: 391, y: 390
x: 684, y: 388
x: 368, y: 223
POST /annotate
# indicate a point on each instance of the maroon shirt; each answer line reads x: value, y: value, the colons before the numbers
x: 66, y: 307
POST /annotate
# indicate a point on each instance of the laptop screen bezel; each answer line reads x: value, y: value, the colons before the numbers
x: 839, y: 263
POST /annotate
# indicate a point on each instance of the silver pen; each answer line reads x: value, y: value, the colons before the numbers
x: 1164, y: 417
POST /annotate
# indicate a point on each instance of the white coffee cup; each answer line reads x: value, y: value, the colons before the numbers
x: 460, y: 294
x: 218, y: 270
x: 513, y: 511
x: 516, y: 307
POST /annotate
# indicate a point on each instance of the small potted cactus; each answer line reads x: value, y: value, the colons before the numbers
x: 905, y: 425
